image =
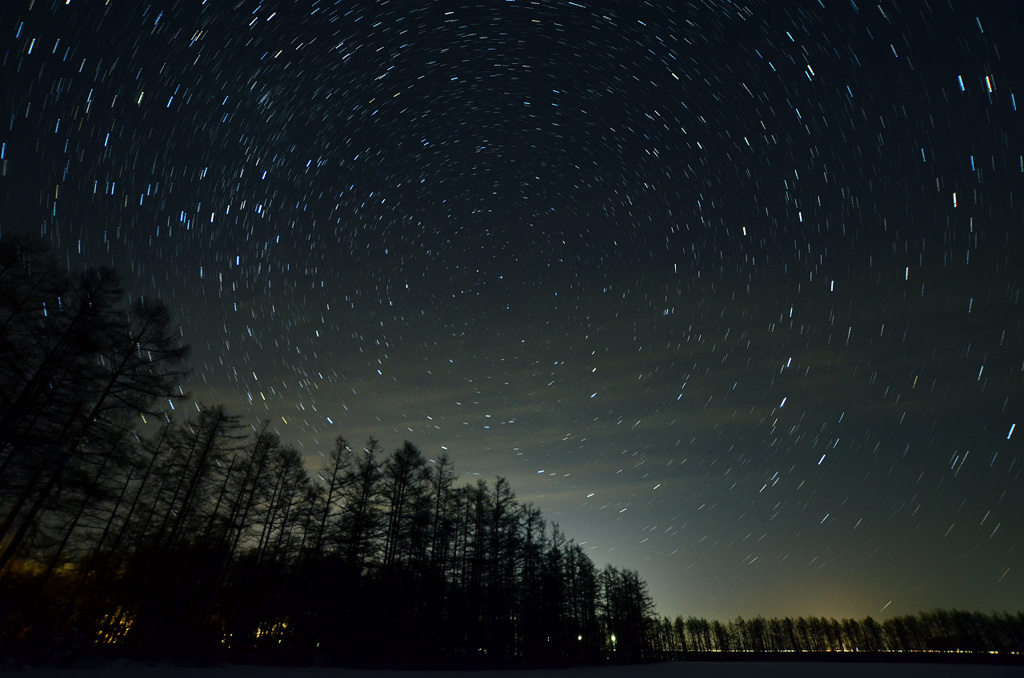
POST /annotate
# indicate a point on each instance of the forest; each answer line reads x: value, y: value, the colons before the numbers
x: 135, y: 523
x: 127, y: 531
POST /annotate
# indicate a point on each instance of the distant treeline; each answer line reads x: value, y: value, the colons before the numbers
x: 201, y: 538
x: 938, y: 631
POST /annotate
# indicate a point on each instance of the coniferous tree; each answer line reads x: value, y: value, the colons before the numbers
x: 404, y: 478
x: 442, y: 524
x: 360, y: 524
x: 76, y: 367
x: 334, y: 477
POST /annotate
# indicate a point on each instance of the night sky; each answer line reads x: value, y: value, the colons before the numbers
x: 732, y: 291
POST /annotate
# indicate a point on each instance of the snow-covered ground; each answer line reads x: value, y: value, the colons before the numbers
x: 670, y: 670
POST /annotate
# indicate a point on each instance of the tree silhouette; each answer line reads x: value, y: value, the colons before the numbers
x: 77, y: 366
x: 199, y: 539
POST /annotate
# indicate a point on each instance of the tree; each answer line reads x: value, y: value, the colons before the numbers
x: 75, y: 367
x: 626, y: 610
x: 334, y: 476
x: 200, y: 449
x: 361, y: 522
x: 279, y: 534
x: 404, y: 477
x: 248, y: 488
x: 442, y: 477
x: 41, y: 415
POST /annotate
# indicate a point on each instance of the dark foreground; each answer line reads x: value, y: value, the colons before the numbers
x: 688, y: 669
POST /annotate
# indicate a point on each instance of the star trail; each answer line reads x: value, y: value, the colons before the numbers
x: 731, y: 290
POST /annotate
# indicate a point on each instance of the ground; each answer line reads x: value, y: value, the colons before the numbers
x: 670, y: 670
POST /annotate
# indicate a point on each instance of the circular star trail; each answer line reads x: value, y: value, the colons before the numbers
x: 732, y: 290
